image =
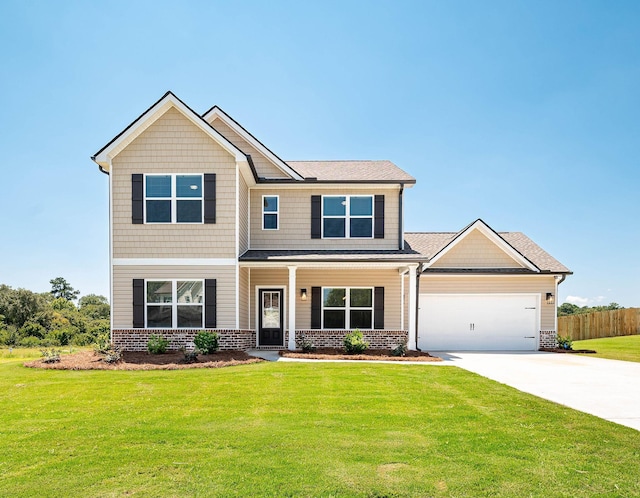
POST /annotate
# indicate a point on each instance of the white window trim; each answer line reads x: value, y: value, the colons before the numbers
x: 174, y: 199
x: 174, y: 302
x: 276, y: 212
x: 347, y: 307
x: 347, y: 216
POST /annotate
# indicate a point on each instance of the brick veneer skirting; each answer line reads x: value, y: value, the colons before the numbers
x: 136, y: 339
x: 548, y: 339
x: 377, y: 339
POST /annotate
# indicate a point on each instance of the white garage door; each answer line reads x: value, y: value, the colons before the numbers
x: 455, y: 322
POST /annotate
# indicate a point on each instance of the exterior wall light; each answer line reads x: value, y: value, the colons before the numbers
x: 303, y: 294
x: 550, y: 298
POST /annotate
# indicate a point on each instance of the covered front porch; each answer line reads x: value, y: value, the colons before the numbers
x: 288, y: 302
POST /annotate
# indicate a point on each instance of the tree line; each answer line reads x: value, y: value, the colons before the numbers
x: 572, y: 309
x: 31, y: 319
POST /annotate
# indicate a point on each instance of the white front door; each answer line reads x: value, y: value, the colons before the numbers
x: 468, y: 322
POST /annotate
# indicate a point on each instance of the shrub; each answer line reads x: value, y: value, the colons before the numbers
x: 565, y: 342
x: 59, y: 337
x: 83, y: 340
x: 10, y: 336
x: 102, y: 344
x: 354, y: 342
x: 307, y: 346
x: 112, y: 355
x: 399, y: 350
x: 190, y: 355
x: 157, y: 344
x: 30, y: 342
x: 50, y: 355
x: 206, y: 342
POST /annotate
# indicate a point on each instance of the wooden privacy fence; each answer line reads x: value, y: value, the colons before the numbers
x: 600, y: 324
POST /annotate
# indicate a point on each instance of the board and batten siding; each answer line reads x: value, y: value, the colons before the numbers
x: 123, y: 289
x: 308, y: 278
x: 173, y: 144
x: 243, y: 215
x: 264, y: 167
x: 476, y: 251
x: 295, y: 220
x: 433, y: 284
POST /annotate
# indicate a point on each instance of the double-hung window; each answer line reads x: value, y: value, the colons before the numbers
x: 270, y: 212
x: 347, y: 308
x: 347, y: 216
x: 174, y: 303
x: 173, y: 198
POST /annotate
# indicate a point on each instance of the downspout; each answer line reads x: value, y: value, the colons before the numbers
x: 418, y: 272
x: 400, y: 219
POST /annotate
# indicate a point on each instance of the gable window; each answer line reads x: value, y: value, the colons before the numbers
x: 270, y: 212
x: 173, y: 198
x: 174, y: 303
x: 347, y: 308
x: 347, y: 216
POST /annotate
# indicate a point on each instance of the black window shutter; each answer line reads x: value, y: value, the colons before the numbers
x: 378, y: 310
x: 378, y: 231
x: 210, y: 299
x: 210, y: 198
x: 137, y: 199
x: 138, y: 303
x: 316, y: 307
x: 316, y: 218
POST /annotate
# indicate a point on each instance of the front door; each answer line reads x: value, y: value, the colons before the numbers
x: 270, y: 326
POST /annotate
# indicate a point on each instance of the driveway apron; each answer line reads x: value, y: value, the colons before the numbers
x: 609, y: 389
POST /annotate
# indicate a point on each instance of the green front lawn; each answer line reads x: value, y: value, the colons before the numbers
x: 625, y: 348
x: 300, y: 429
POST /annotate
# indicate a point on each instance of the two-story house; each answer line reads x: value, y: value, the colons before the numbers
x: 209, y: 229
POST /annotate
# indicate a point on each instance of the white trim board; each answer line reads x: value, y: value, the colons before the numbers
x: 174, y: 262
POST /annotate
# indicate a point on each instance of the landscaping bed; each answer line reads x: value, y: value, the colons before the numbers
x: 369, y: 354
x: 135, y: 360
x: 562, y: 350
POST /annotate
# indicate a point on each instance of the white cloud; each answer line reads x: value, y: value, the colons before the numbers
x: 577, y: 300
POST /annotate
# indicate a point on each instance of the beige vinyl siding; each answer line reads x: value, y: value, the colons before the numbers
x: 243, y: 213
x: 308, y: 278
x: 295, y: 220
x: 243, y: 298
x: 173, y: 144
x: 476, y: 251
x: 432, y: 284
x: 264, y: 167
x: 123, y: 289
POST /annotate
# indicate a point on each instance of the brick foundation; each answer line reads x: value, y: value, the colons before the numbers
x: 377, y: 339
x: 136, y: 339
x: 548, y: 339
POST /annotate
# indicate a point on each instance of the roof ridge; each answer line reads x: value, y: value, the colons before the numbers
x: 338, y: 160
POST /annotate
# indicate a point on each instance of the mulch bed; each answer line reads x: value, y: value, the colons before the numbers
x: 562, y: 350
x: 133, y: 360
x: 369, y: 354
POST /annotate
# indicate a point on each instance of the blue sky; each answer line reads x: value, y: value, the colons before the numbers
x: 524, y: 114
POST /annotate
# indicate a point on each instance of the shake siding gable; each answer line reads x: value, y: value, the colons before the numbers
x: 264, y: 167
x: 173, y: 145
x: 476, y: 251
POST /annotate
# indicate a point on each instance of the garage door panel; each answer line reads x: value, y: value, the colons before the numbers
x: 478, y: 322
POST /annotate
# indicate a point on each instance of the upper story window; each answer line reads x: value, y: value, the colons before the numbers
x: 347, y: 216
x: 174, y: 303
x: 347, y: 308
x: 173, y: 198
x: 270, y: 212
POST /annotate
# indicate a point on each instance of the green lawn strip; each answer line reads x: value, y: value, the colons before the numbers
x: 300, y: 429
x: 626, y: 348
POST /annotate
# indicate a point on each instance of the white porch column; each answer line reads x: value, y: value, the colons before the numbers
x: 291, y: 344
x: 412, y: 345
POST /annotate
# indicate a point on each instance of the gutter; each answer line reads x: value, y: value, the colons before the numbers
x: 401, y: 219
x: 418, y: 272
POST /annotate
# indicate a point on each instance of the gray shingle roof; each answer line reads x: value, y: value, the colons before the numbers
x: 352, y: 171
x: 430, y: 243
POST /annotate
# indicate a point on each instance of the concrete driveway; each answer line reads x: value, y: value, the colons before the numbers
x: 608, y: 389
